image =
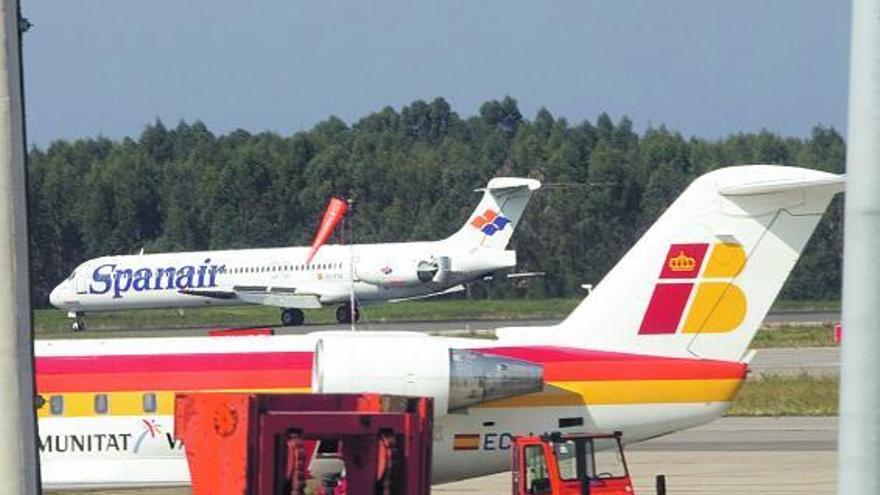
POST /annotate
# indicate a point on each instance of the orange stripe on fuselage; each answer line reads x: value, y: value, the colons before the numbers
x: 608, y: 392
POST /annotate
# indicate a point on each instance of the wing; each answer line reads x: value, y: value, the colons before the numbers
x: 283, y: 297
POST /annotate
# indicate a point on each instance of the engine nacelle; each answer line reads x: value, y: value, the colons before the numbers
x: 419, y: 365
x: 404, y: 272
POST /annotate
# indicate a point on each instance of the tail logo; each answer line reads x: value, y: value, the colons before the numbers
x: 681, y: 263
x: 490, y: 222
x: 716, y: 306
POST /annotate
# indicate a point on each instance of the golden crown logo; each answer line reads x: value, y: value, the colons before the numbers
x: 682, y: 263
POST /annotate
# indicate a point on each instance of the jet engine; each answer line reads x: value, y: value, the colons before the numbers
x: 404, y: 272
x: 416, y: 364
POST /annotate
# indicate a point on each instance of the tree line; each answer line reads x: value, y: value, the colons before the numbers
x: 411, y: 174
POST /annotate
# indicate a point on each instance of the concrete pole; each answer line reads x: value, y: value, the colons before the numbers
x: 859, y: 441
x: 18, y: 456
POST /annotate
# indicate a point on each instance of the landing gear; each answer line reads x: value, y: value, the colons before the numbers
x: 78, y: 324
x: 343, y: 314
x: 292, y: 317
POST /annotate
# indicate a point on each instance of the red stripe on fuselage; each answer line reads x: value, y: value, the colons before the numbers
x: 153, y: 363
x: 266, y: 370
x: 175, y: 381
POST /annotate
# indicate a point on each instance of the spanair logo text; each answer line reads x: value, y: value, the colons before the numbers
x: 490, y: 222
x: 110, y: 278
x: 716, y: 306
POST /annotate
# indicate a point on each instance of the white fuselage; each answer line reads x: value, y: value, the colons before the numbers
x: 374, y: 272
x: 124, y: 450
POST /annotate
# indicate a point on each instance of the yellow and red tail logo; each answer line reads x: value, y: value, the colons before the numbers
x: 717, y: 305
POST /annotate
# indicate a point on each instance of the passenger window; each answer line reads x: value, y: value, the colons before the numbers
x: 150, y: 402
x: 56, y: 404
x: 101, y: 406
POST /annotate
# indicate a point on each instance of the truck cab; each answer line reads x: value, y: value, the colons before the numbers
x: 575, y: 464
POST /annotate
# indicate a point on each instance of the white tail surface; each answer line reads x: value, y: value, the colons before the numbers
x: 701, y: 280
x: 493, y: 221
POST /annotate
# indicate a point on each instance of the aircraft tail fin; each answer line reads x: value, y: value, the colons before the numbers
x: 493, y: 221
x: 701, y: 280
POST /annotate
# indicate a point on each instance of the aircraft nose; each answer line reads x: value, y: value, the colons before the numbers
x: 56, y: 296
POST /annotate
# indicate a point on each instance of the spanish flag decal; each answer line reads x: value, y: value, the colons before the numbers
x: 469, y: 441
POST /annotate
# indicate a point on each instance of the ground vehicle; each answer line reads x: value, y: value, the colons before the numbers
x: 576, y: 464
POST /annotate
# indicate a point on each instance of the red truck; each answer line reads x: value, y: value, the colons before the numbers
x: 572, y: 464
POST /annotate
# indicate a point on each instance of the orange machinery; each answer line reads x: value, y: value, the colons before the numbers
x: 263, y: 444
x: 572, y: 464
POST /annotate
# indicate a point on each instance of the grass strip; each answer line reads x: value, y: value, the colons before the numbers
x: 778, y: 395
x: 794, y: 336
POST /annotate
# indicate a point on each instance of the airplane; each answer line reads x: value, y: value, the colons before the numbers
x: 291, y: 279
x: 661, y: 344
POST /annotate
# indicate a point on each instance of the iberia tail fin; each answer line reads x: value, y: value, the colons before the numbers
x: 701, y: 280
x: 493, y: 221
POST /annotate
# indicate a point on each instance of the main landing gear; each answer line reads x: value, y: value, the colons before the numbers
x: 78, y: 324
x: 343, y: 313
x: 292, y: 317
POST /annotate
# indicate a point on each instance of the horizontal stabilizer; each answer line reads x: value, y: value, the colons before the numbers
x: 526, y: 274
x: 501, y: 185
x: 834, y: 183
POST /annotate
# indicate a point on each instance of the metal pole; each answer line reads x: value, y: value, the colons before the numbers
x: 18, y: 455
x: 352, y: 309
x: 859, y: 441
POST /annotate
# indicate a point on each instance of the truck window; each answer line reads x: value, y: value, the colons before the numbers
x: 537, y: 476
x: 566, y: 457
x: 607, y: 461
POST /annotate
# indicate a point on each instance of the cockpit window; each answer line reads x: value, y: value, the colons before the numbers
x: 72, y: 275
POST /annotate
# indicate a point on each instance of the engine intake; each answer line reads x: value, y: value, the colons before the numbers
x: 404, y: 272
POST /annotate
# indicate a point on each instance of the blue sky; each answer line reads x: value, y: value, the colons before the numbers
x: 705, y: 68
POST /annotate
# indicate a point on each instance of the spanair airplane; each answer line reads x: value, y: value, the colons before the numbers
x: 284, y: 278
x: 660, y: 345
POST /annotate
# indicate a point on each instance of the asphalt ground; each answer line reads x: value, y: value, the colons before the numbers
x: 730, y: 456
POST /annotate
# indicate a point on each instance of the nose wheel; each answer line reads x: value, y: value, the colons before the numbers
x: 78, y: 324
x: 292, y: 317
x: 343, y: 314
